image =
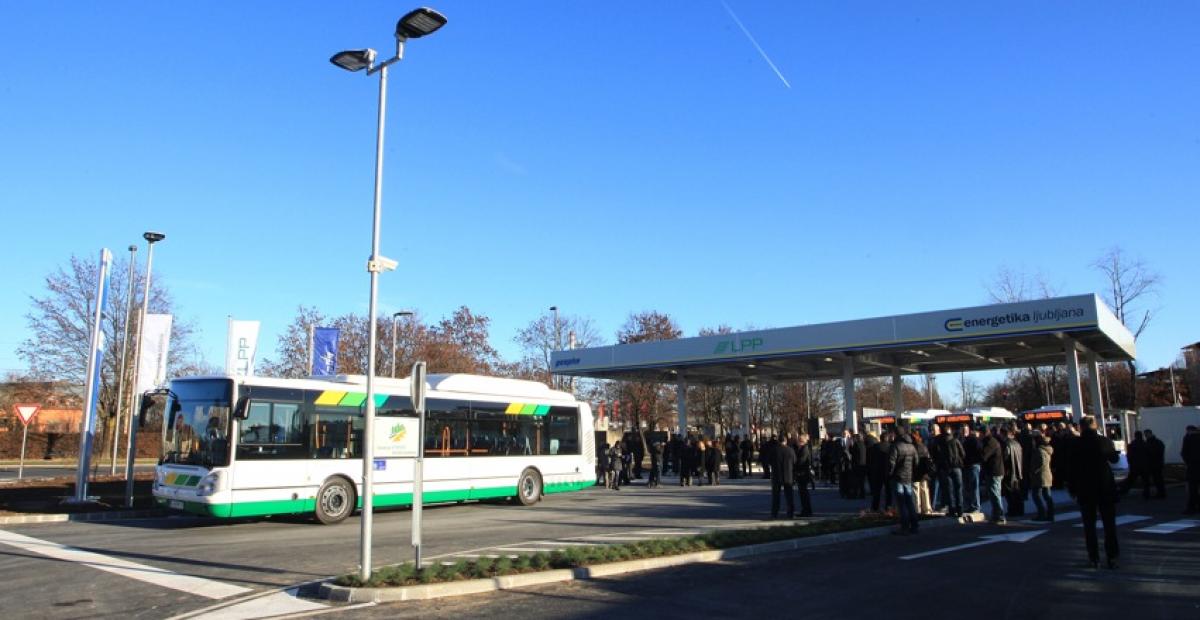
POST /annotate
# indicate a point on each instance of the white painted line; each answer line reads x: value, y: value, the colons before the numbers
x: 1170, y: 527
x: 522, y: 549
x: 1121, y: 520
x: 1021, y: 537
x: 1062, y: 518
x: 149, y: 574
x: 277, y: 604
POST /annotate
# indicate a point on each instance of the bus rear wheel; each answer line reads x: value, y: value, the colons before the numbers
x: 529, y: 487
x: 335, y: 501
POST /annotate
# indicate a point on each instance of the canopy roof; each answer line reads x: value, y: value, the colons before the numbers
x: 1011, y: 335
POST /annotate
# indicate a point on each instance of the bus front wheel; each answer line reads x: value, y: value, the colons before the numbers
x: 529, y: 487
x: 335, y: 501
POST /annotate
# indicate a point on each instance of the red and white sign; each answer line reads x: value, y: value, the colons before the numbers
x: 26, y: 411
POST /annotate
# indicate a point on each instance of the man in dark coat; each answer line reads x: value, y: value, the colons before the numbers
x: 783, y: 478
x: 1135, y: 453
x: 992, y: 456
x: 1155, y: 461
x: 602, y: 466
x: 947, y: 452
x: 1014, y: 472
x: 902, y: 466
x: 859, y: 452
x: 972, y: 464
x: 804, y: 474
x: 712, y: 462
x: 747, y: 452
x: 732, y: 452
x: 1190, y: 452
x: 766, y: 455
x: 1025, y: 439
x: 877, y: 469
x: 1091, y: 483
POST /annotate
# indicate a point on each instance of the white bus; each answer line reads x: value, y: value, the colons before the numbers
x: 252, y: 446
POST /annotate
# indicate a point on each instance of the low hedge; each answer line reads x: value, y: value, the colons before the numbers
x: 574, y: 557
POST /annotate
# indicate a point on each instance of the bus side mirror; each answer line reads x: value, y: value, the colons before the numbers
x: 242, y: 410
x: 147, y: 403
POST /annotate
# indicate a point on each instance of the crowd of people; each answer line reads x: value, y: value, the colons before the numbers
x: 927, y: 472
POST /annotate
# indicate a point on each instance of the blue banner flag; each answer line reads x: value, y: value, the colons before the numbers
x: 325, y: 346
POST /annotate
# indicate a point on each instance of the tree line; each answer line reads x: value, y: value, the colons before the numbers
x: 56, y: 351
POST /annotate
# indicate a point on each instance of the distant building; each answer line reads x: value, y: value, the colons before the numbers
x: 61, y: 405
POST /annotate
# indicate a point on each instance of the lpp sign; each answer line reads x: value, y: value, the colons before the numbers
x: 738, y: 345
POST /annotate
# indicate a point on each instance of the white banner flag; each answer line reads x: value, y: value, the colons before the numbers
x: 240, y: 348
x: 156, y: 338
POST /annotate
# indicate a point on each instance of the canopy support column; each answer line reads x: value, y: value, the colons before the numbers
x: 744, y: 404
x: 681, y: 402
x: 849, y: 407
x: 897, y: 394
x: 1072, y: 356
x: 1094, y: 391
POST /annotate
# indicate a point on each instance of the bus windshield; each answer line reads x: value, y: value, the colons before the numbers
x: 196, y: 423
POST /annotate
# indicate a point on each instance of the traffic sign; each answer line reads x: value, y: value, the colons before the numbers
x: 26, y: 411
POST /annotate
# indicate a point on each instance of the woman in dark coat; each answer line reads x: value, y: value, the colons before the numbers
x: 1041, y: 477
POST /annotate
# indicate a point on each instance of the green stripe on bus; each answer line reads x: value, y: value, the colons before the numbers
x: 290, y: 506
x: 352, y: 399
x: 528, y: 409
x: 541, y: 410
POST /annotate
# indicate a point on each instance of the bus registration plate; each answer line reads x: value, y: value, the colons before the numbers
x: 176, y: 504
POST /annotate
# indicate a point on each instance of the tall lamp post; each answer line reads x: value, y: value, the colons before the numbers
x: 415, y: 24
x: 557, y: 338
x: 395, y: 319
x: 112, y: 470
x: 151, y: 238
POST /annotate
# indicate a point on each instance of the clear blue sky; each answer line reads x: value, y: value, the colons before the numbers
x: 606, y: 157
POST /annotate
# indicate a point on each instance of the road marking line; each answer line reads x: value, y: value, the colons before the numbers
x: 1062, y: 518
x: 523, y: 549
x: 149, y: 574
x: 1121, y: 520
x: 1019, y: 537
x: 277, y: 604
x: 1170, y: 527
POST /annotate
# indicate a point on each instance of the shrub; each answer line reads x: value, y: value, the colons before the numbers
x: 407, y: 574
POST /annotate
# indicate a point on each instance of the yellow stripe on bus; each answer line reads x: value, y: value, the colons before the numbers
x: 330, y: 398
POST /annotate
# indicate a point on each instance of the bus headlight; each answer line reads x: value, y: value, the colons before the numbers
x: 159, y: 476
x: 210, y: 484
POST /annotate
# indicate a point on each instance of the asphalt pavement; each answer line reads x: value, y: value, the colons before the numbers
x: 168, y: 567
x: 978, y: 571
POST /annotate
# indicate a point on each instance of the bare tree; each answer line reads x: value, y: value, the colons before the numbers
x: 1011, y: 286
x: 647, y: 400
x: 540, y: 337
x: 1131, y: 285
x: 60, y: 323
x: 458, y: 343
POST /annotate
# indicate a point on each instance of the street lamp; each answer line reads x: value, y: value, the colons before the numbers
x: 112, y: 469
x: 151, y: 238
x: 395, y: 316
x: 415, y: 24
x: 557, y: 338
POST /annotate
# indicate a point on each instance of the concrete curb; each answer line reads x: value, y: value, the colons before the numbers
x: 476, y: 586
x: 82, y: 516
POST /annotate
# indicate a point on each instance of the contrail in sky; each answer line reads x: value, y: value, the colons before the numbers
x: 755, y: 43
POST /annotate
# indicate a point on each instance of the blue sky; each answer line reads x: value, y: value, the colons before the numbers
x: 605, y: 157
